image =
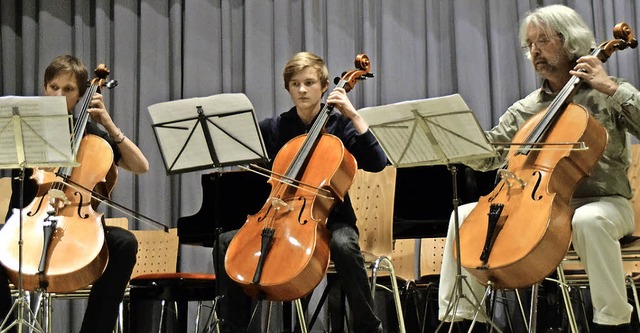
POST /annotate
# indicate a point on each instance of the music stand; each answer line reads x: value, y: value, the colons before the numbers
x: 30, y: 136
x: 435, y: 131
x: 207, y: 132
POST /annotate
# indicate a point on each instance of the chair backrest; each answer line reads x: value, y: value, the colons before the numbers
x: 403, y: 258
x: 372, y: 196
x: 157, y: 249
x: 431, y: 250
x: 5, y: 197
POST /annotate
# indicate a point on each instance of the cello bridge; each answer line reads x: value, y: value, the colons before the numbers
x: 57, y: 198
x: 278, y: 204
x: 509, y: 177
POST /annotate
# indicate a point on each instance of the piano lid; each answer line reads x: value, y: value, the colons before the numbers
x: 424, y: 198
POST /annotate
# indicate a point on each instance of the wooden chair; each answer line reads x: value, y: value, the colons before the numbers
x: 571, y: 271
x: 46, y: 299
x: 372, y: 197
x: 157, y: 254
x: 155, y: 279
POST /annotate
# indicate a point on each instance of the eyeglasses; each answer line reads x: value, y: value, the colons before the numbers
x: 539, y: 43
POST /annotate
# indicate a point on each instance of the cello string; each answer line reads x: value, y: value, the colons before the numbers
x: 269, y: 174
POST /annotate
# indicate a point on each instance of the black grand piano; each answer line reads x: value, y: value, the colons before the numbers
x: 423, y: 201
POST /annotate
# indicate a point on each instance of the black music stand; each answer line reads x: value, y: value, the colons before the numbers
x: 205, y: 133
x: 34, y: 132
x: 436, y: 131
x: 209, y: 132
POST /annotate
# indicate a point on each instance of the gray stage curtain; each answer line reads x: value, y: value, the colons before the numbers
x: 167, y: 50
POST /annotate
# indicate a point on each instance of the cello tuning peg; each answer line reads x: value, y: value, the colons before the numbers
x: 336, y: 80
x: 369, y: 75
x: 111, y: 84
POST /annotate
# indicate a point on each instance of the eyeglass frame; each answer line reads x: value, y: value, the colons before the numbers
x: 540, y: 42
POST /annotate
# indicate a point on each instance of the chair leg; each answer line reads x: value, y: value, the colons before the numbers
x: 533, y: 312
x: 216, y: 322
x: 300, y: 312
x: 634, y: 291
x: 394, y: 285
x: 268, y: 323
x: 197, y: 323
x: 426, y: 306
x: 564, y: 287
x: 162, y: 305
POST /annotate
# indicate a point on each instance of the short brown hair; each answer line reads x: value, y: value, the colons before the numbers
x: 71, y: 65
x: 302, y: 60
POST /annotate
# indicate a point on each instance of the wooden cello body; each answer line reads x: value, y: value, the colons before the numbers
x: 77, y: 254
x: 519, y: 233
x: 63, y: 239
x: 534, y: 224
x: 299, y: 254
x: 282, y: 252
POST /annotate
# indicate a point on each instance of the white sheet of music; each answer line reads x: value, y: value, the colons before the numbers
x: 230, y: 121
x: 433, y: 131
x: 39, y: 127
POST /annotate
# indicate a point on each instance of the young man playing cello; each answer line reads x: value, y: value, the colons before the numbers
x: 558, y: 42
x: 306, y: 80
x: 67, y: 76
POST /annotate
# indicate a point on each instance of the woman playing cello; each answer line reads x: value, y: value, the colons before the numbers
x: 306, y: 80
x: 67, y: 76
x: 558, y: 43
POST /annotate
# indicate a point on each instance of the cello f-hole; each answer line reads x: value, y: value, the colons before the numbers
x: 33, y: 212
x: 304, y: 204
x: 538, y: 176
x: 80, y: 205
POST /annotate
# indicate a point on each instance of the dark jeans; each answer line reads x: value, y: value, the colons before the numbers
x: 107, y: 292
x: 235, y: 306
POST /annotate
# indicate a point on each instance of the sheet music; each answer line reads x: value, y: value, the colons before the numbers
x: 439, y: 130
x: 39, y: 120
x: 230, y: 122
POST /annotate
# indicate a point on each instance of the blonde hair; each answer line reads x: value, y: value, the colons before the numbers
x: 301, y: 61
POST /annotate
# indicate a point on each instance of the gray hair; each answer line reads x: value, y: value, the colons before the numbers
x: 566, y: 23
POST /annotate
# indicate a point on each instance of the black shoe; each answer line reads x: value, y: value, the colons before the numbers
x: 463, y: 327
x: 624, y: 328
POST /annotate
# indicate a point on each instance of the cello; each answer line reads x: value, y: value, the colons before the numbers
x: 65, y: 249
x: 281, y: 253
x: 526, y: 219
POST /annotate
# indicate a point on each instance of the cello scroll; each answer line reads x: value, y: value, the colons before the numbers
x: 623, y: 38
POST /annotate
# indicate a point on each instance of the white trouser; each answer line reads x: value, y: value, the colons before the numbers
x: 597, y: 225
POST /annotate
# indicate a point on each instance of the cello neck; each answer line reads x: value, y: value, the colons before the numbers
x: 312, y: 138
x: 83, y: 117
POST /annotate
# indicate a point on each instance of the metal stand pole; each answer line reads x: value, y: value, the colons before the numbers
x: 457, y: 293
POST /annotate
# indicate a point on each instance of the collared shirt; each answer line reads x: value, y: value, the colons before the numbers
x: 368, y: 153
x: 618, y: 114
